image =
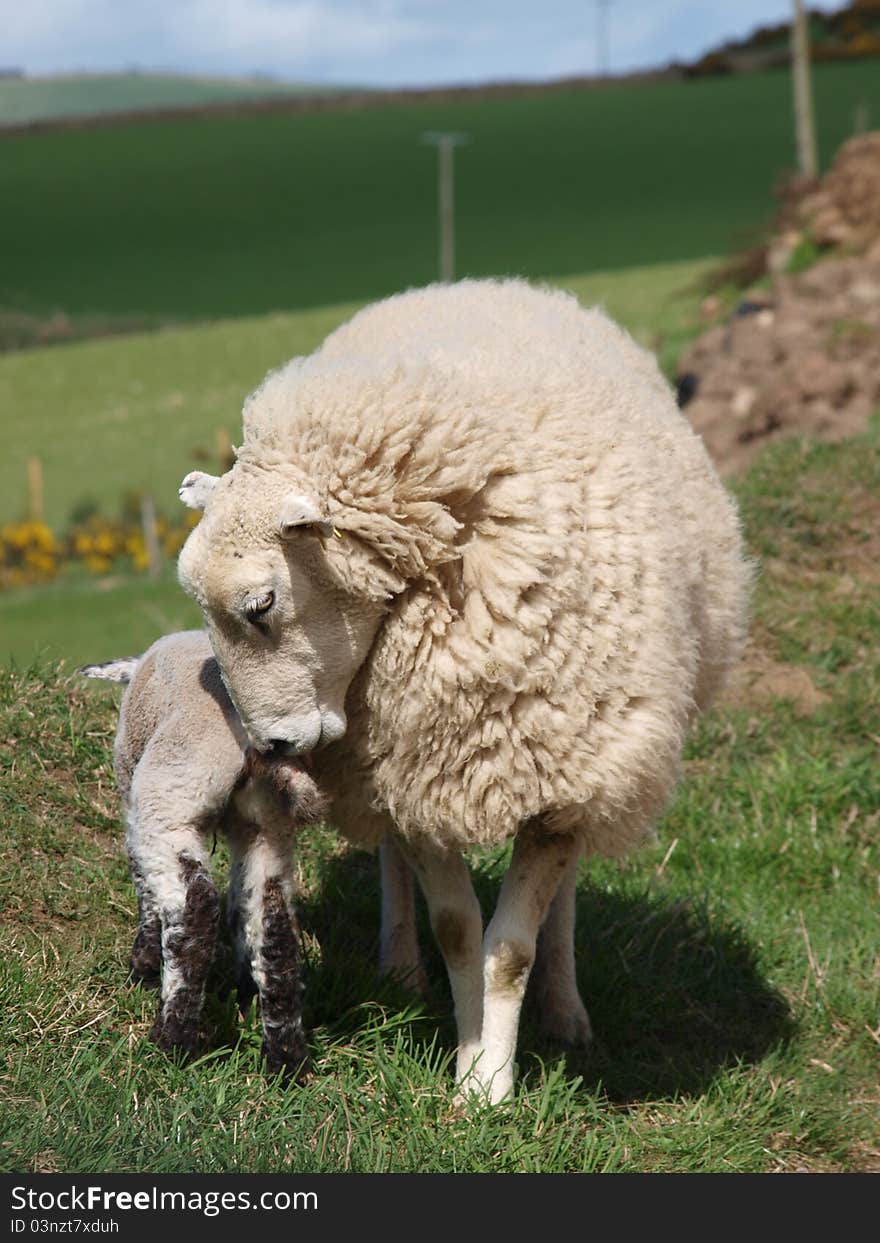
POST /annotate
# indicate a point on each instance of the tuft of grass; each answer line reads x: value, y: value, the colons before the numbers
x: 732, y: 970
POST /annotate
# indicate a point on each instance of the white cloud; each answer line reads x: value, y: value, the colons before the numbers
x: 280, y: 35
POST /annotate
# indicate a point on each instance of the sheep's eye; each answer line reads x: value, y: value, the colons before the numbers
x: 258, y: 606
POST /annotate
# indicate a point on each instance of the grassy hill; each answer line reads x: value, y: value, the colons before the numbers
x: 96, y: 94
x: 242, y: 215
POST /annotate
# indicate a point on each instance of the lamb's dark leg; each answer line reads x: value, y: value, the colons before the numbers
x: 270, y: 936
x: 239, y: 836
x: 173, y: 863
x: 146, y: 953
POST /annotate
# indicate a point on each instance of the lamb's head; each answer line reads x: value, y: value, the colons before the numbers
x: 291, y: 603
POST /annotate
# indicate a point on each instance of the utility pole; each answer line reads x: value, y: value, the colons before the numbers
x: 805, y: 128
x: 602, y: 7
x: 446, y: 144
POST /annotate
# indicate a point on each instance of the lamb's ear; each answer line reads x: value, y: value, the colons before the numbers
x: 196, y: 488
x: 298, y: 512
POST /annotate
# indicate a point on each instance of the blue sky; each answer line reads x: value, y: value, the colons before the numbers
x: 372, y: 42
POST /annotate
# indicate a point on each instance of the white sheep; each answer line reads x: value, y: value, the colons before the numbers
x: 185, y: 773
x: 471, y: 549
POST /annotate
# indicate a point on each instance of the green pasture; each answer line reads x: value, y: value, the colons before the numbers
x: 242, y: 215
x: 93, y: 94
x: 731, y: 970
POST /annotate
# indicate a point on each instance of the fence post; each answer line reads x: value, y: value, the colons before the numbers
x: 805, y: 126
x: 35, y: 489
x: 151, y: 537
x: 225, y: 456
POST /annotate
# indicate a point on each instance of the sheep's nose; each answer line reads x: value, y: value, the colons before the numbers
x: 279, y: 747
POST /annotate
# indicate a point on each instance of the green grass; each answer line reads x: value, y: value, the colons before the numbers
x: 731, y: 971
x: 243, y: 215
x: 137, y: 413
x: 87, y: 620
x: 90, y: 94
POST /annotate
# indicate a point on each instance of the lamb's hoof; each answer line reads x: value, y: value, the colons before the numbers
x: 294, y: 1063
x: 570, y: 1026
x: 146, y: 957
x: 144, y: 976
x: 245, y: 992
x: 172, y: 1036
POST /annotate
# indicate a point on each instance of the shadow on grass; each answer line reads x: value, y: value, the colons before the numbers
x: 675, y: 995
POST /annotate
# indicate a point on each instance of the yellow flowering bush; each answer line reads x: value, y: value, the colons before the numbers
x: 31, y: 553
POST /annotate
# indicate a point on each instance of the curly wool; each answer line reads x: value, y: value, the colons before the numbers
x: 569, y: 568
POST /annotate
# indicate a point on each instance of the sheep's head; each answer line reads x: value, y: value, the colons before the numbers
x: 291, y: 602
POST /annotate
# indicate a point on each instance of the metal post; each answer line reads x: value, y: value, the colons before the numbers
x: 602, y: 7
x: 446, y: 207
x: 805, y: 129
x: 446, y: 144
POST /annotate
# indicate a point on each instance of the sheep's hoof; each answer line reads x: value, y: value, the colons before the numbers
x: 570, y: 1026
x: 412, y: 977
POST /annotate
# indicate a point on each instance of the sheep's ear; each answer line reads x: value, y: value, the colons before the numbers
x: 196, y: 488
x: 298, y: 512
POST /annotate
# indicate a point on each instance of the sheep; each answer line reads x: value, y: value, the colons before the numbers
x: 471, y: 550
x: 184, y: 771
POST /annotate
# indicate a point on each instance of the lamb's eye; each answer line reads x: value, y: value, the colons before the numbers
x: 258, y: 606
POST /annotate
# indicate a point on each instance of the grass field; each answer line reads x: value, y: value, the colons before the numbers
x: 244, y: 215
x: 91, y: 94
x: 732, y: 971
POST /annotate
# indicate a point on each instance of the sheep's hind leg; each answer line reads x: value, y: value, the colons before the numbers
x: 399, y: 954
x: 540, y: 861
x: 269, y: 941
x: 563, y: 1015
x: 458, y: 926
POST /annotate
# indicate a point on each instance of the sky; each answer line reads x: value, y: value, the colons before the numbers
x: 372, y: 42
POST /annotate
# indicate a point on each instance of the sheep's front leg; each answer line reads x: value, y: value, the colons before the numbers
x: 458, y: 926
x: 563, y: 1014
x: 173, y: 864
x: 399, y: 953
x: 266, y: 929
x: 539, y: 864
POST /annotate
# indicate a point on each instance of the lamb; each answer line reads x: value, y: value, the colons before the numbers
x: 185, y: 772
x: 472, y: 551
